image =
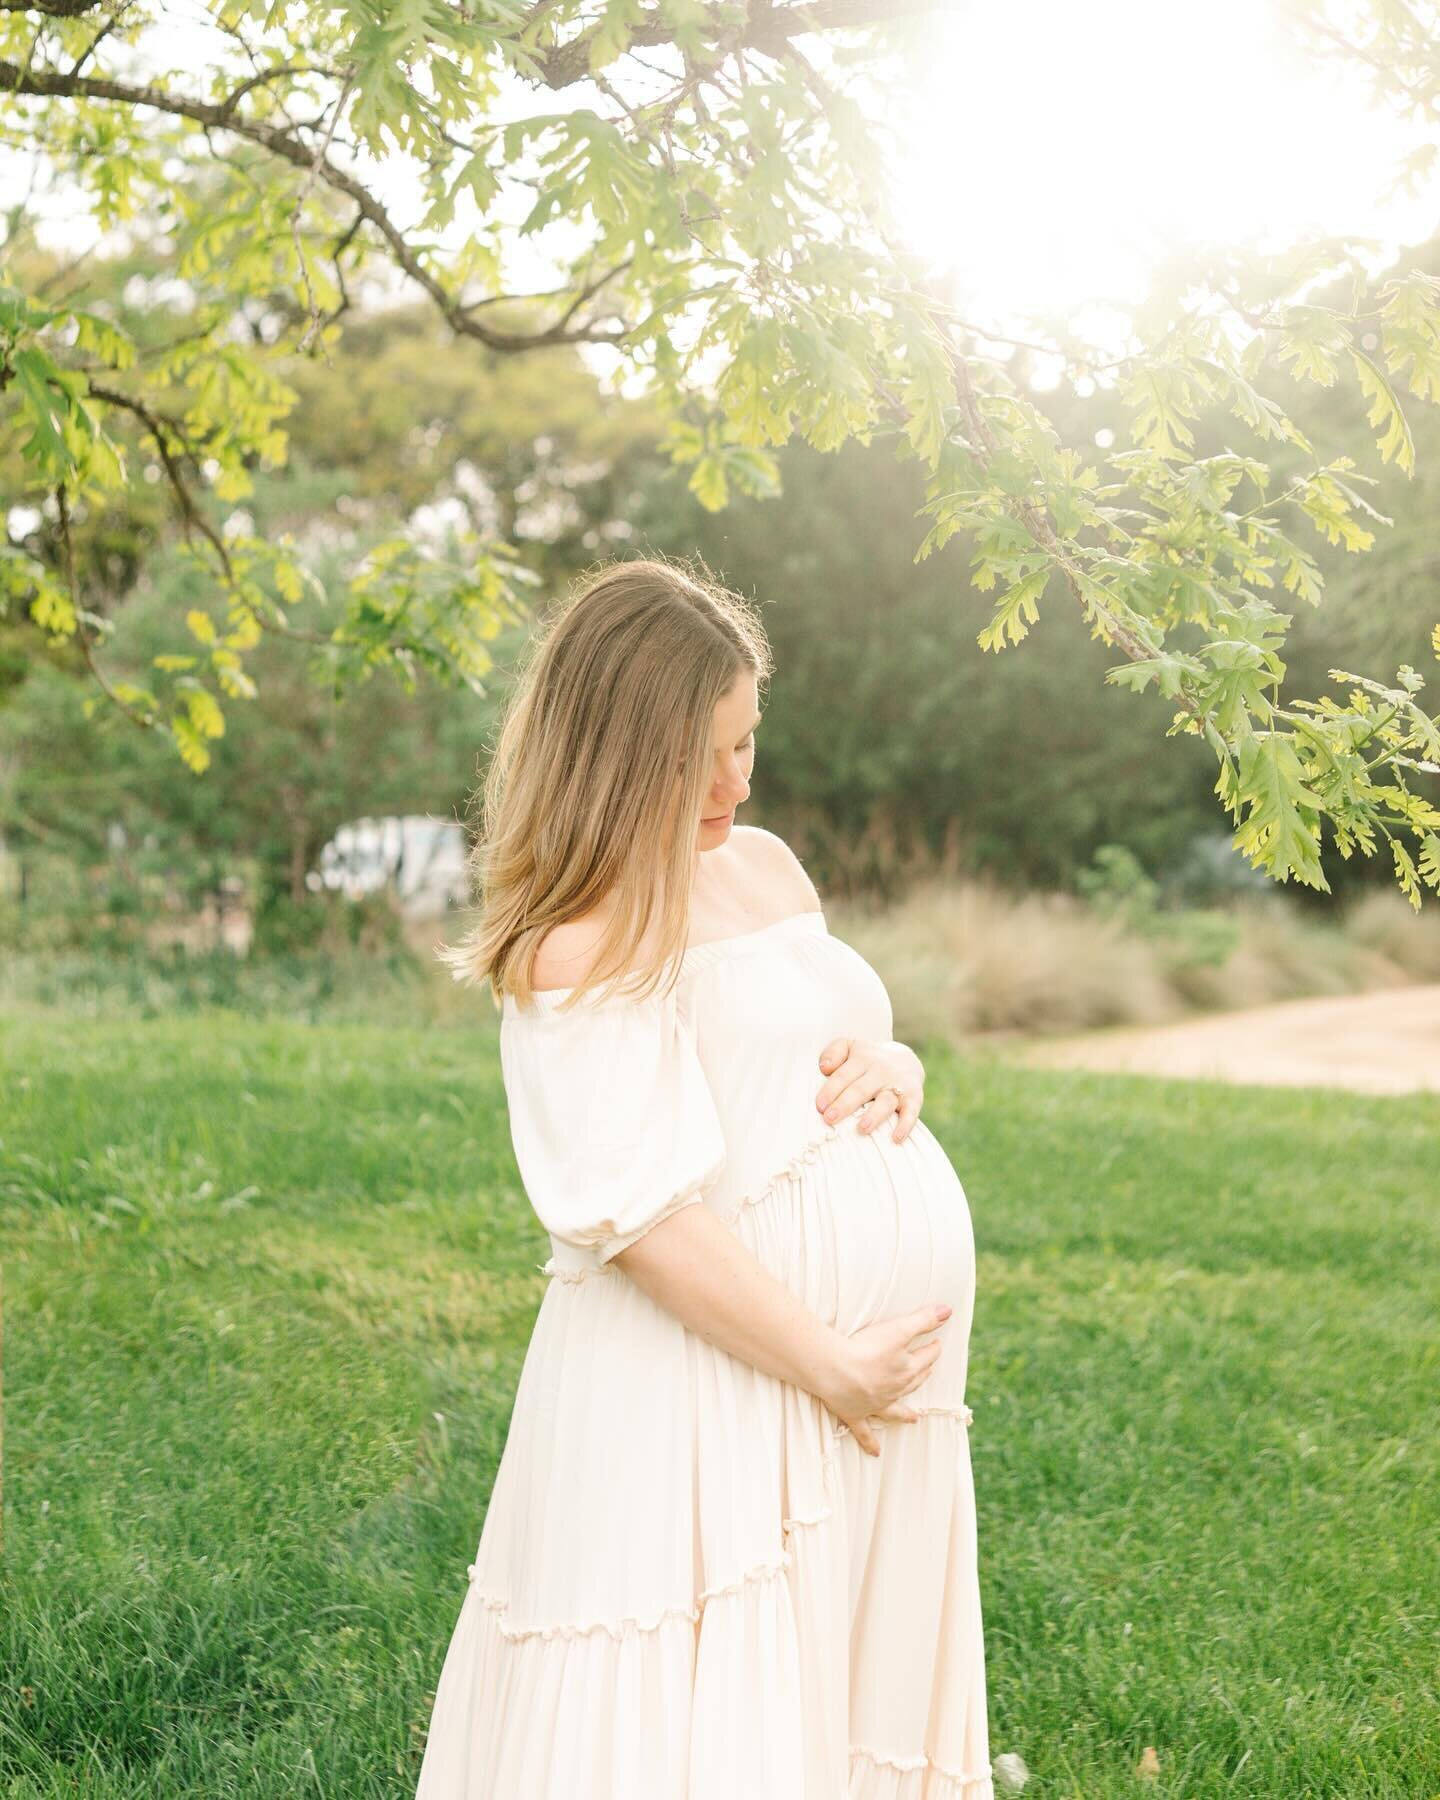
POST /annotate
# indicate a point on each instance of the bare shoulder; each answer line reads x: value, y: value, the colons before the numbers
x: 774, y: 863
x: 565, y: 955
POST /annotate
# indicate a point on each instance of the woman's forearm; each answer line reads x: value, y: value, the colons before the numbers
x: 694, y: 1266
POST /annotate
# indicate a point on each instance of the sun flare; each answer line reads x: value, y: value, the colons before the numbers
x: 1055, y: 153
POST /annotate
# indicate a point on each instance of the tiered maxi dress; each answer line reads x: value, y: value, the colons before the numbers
x: 691, y: 1583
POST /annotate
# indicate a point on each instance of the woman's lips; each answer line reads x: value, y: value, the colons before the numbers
x: 719, y: 819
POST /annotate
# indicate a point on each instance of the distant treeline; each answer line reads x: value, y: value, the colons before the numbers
x: 891, y: 743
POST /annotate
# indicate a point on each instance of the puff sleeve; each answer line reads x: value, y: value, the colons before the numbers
x: 612, y: 1120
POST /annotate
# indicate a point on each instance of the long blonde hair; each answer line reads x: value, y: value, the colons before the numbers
x: 600, y: 773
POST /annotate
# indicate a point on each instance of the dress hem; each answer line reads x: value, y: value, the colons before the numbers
x: 904, y: 1765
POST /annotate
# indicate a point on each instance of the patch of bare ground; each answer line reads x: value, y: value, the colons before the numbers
x: 1387, y: 1042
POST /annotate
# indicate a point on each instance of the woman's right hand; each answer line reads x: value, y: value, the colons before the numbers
x: 876, y: 1365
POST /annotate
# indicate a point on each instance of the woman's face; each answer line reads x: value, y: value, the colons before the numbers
x: 733, y: 744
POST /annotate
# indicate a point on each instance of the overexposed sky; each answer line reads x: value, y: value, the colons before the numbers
x: 1057, y: 150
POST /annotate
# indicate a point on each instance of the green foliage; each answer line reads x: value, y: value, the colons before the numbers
x: 1116, y: 886
x: 719, y: 232
x: 1115, y: 883
x: 320, y: 980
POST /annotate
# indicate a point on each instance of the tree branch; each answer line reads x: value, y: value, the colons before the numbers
x: 100, y: 36
x: 157, y: 427
x: 54, y: 9
x: 45, y: 85
x: 769, y: 29
x: 191, y: 517
x: 320, y: 155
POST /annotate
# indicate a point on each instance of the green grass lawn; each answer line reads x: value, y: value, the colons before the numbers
x: 268, y: 1286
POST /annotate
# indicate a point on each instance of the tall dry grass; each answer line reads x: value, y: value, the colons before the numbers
x: 963, y: 958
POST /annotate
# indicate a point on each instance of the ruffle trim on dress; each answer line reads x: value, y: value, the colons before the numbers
x: 903, y: 1765
x: 769, y: 1571
x: 617, y: 1629
x: 961, y: 1412
x: 689, y: 1195
x: 799, y: 1161
x: 787, y: 1172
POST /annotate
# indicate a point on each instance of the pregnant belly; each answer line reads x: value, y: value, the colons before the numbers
x: 869, y: 1229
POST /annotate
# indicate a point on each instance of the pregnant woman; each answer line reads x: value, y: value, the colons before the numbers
x: 730, y: 1553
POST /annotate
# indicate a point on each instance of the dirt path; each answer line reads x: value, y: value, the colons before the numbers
x: 1386, y: 1042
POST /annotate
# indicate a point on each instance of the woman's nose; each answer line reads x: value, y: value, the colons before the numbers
x: 730, y: 795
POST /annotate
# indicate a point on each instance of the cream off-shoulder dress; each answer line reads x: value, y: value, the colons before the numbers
x: 691, y: 1582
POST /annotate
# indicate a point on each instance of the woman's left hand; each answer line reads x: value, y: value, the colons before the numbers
x: 867, y: 1069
